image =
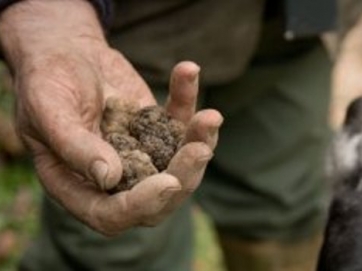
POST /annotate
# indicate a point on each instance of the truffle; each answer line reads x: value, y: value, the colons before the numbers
x: 145, y: 139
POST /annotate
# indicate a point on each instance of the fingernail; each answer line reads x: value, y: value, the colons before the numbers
x: 99, y: 172
x: 215, y: 129
x: 195, y: 79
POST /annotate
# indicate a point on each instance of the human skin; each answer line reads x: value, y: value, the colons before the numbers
x: 347, y: 75
x: 64, y: 71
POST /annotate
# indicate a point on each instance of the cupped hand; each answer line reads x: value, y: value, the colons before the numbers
x: 64, y: 71
x: 59, y: 114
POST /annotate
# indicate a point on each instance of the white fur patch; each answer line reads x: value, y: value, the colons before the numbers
x: 343, y: 157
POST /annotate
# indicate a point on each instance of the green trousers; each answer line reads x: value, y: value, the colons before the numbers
x: 265, y: 181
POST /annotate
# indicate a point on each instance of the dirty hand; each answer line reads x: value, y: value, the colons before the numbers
x: 64, y: 71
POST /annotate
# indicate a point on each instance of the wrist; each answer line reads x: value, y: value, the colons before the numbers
x: 32, y: 28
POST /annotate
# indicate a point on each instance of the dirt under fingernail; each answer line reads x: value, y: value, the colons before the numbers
x: 146, y: 139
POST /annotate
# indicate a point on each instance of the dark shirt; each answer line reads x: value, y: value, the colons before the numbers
x: 221, y: 36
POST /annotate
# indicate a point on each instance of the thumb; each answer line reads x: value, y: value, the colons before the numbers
x: 82, y: 151
x: 90, y: 155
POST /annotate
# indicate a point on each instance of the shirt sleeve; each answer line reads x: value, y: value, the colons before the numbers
x: 103, y: 7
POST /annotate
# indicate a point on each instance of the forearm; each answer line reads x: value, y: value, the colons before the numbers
x: 30, y: 28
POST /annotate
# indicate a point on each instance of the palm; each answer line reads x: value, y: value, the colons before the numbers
x: 122, y: 81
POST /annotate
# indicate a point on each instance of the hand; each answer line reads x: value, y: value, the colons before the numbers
x: 63, y: 78
x: 347, y: 85
x: 346, y: 76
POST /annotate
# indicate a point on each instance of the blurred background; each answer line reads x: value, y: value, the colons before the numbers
x: 20, y: 195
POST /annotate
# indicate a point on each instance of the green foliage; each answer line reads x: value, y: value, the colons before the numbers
x: 208, y: 254
x: 19, y: 198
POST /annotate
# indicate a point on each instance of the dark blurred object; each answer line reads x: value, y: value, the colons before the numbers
x: 310, y: 17
x: 343, y: 237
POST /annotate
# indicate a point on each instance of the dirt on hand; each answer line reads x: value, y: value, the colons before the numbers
x: 146, y: 139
